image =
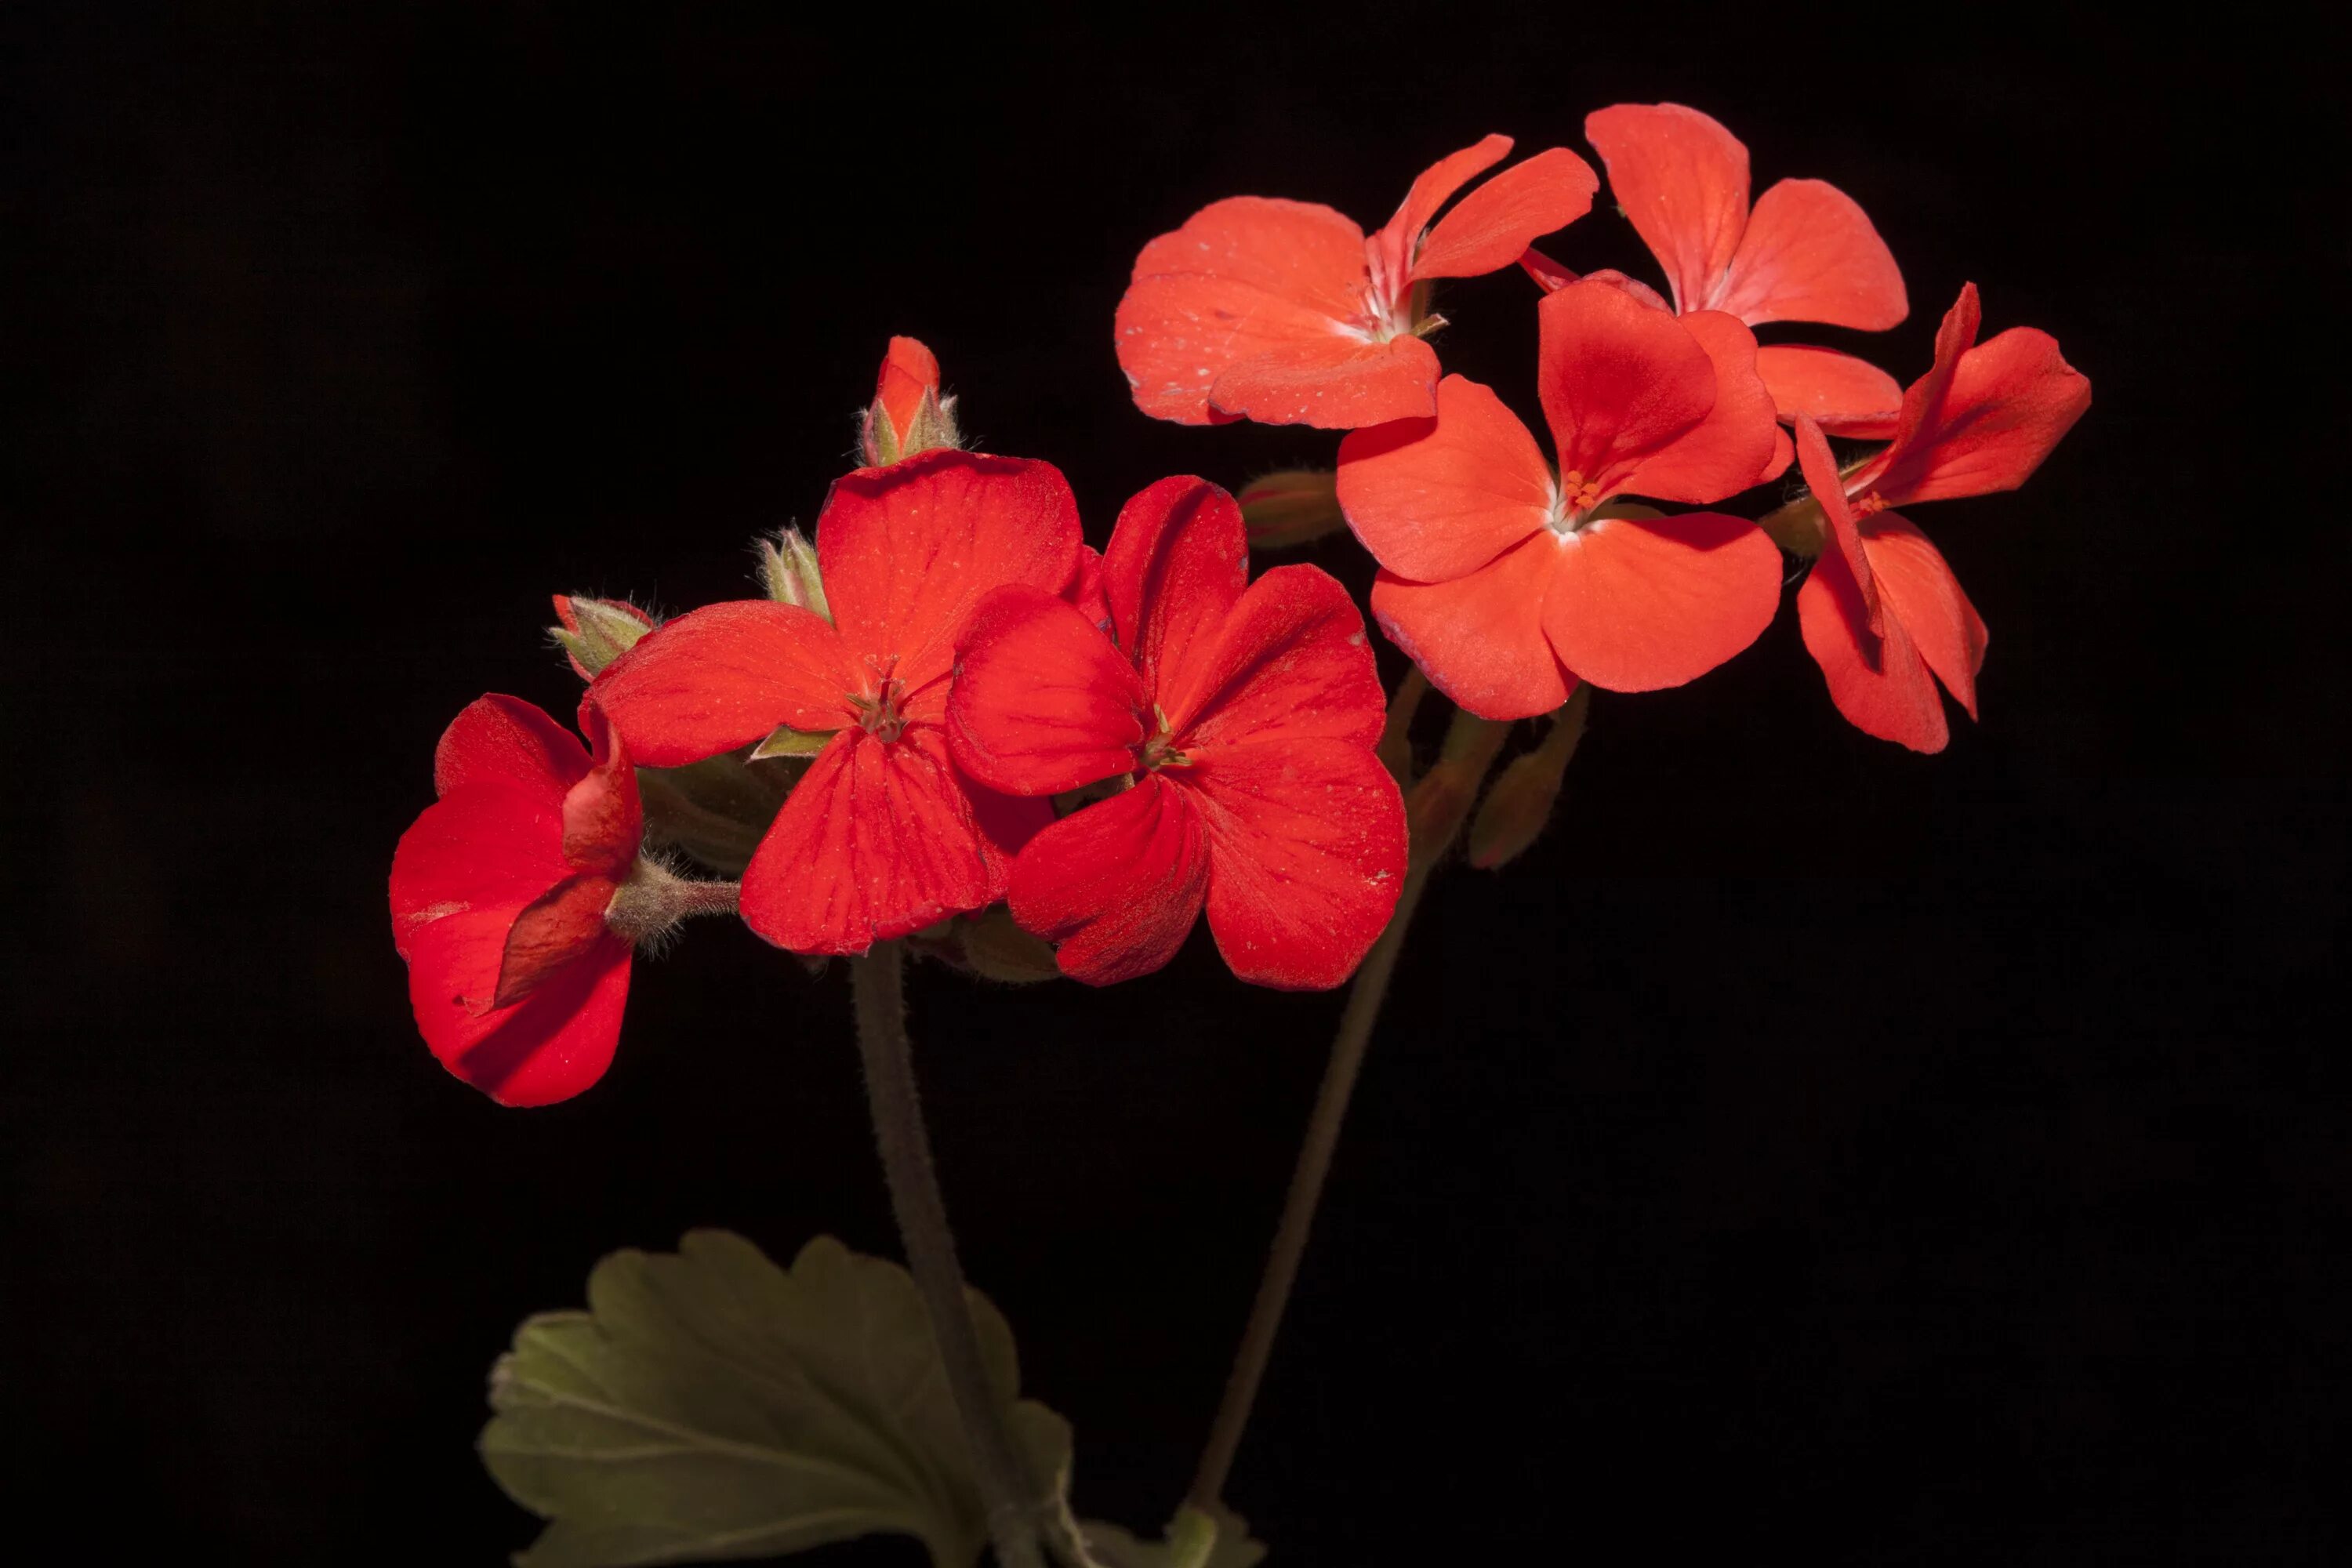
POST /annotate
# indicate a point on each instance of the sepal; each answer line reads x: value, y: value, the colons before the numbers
x: 595, y: 632
x: 1291, y: 507
x: 788, y: 571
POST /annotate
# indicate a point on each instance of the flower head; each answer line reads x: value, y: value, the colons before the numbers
x: 907, y: 415
x: 504, y: 902
x: 1507, y: 582
x: 1244, y: 715
x: 882, y: 836
x: 1288, y: 313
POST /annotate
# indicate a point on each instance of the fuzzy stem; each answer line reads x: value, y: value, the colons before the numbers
x: 877, y: 983
x: 1442, y: 799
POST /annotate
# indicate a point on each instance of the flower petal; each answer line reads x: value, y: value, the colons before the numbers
x: 1118, y: 883
x: 2008, y: 405
x: 1242, y: 277
x: 485, y: 850
x: 1391, y: 248
x: 1433, y: 498
x: 1490, y: 226
x: 1879, y: 682
x: 908, y: 371
x: 1307, y: 855
x: 1334, y: 380
x: 557, y: 930
x: 1920, y: 591
x: 723, y: 677
x: 1480, y: 639
x: 1620, y: 383
x: 876, y: 841
x: 1820, y: 472
x: 1640, y: 603
x: 603, y: 819
x: 554, y: 1043
x: 906, y: 551
x: 1738, y: 444
x: 1809, y: 254
x: 1682, y: 179
x: 1043, y: 701
x: 507, y: 739
x: 1178, y: 558
x: 1845, y: 395
x: 1291, y: 660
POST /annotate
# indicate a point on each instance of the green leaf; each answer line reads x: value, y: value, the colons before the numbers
x: 1220, y: 1539
x: 709, y: 1404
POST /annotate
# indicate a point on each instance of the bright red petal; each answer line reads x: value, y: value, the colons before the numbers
x: 604, y: 819
x: 1043, y: 701
x: 1490, y: 226
x: 1391, y: 248
x: 906, y: 551
x: 1240, y: 277
x: 558, y: 930
x: 1178, y: 558
x: 2010, y: 403
x: 725, y: 675
x: 1640, y: 603
x: 1682, y: 179
x: 1334, y: 381
x: 505, y: 739
x: 1480, y: 639
x: 1738, y: 444
x: 908, y: 371
x: 1811, y: 255
x: 1306, y: 855
x: 1880, y: 683
x: 1291, y: 660
x: 1821, y: 471
x: 876, y: 841
x: 1844, y: 396
x: 1085, y: 589
x: 556, y: 1043
x: 1118, y: 883
x: 484, y: 850
x: 1920, y: 591
x: 1433, y: 498
x: 1621, y: 384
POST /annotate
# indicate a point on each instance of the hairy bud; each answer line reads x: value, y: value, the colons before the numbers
x: 1518, y: 808
x: 595, y: 632
x: 1291, y: 506
x: 907, y: 415
x: 788, y: 571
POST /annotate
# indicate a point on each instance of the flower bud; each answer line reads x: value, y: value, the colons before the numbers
x: 1520, y: 806
x: 1291, y: 506
x: 996, y: 949
x: 595, y: 632
x: 788, y: 571
x: 1798, y: 527
x: 907, y: 415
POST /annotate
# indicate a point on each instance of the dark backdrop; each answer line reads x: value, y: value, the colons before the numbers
x: 1810, y: 1148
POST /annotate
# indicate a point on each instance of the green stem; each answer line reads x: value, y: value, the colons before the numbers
x: 877, y: 983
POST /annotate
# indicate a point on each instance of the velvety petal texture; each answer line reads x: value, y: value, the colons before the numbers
x: 1844, y: 396
x: 1433, y: 498
x: 724, y: 676
x: 1640, y: 603
x: 1118, y: 885
x: 1480, y: 639
x: 1080, y: 717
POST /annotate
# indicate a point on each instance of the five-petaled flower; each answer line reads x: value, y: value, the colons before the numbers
x: 1805, y: 252
x: 1287, y: 313
x: 883, y: 836
x: 1244, y: 715
x: 1881, y: 610
x: 501, y: 899
x: 1508, y: 582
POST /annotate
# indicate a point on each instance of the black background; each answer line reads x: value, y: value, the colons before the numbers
x: 1810, y: 1148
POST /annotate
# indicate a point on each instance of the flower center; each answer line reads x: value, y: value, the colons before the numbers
x: 1572, y: 498
x: 1160, y: 752
x: 1867, y: 505
x: 877, y: 708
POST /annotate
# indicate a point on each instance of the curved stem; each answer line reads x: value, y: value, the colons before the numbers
x: 877, y: 983
x: 1436, y: 809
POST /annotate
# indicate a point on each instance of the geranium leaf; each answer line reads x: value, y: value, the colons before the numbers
x: 708, y: 1405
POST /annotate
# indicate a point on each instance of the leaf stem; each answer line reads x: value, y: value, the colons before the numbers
x: 1436, y: 807
x: 877, y: 984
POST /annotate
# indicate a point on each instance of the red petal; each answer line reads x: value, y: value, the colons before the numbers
x: 1085, y: 589
x: 1628, y: 391
x: 1844, y: 396
x: 558, y: 930
x: 1548, y: 274
x: 1307, y: 853
x: 1241, y: 277
x: 1738, y: 444
x: 1117, y: 884
x: 1043, y: 701
x: 1920, y: 591
x: 1392, y: 246
x: 1811, y: 255
x: 1480, y: 639
x: 906, y: 551
x: 908, y: 371
x: 558, y: 1041
x: 604, y: 819
x: 1290, y: 660
x: 2008, y: 404
x: 1880, y: 683
x: 725, y: 675
x: 876, y: 841
x: 484, y: 850
x: 1491, y: 226
x: 1820, y: 473
x: 1333, y: 382
x: 1178, y: 558
x: 1640, y: 603
x: 1682, y: 179
x: 508, y: 740
x: 1433, y: 499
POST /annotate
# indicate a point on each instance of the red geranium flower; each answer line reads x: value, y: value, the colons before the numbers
x: 1245, y: 714
x: 499, y: 895
x: 1508, y: 582
x: 1806, y: 252
x: 1881, y: 609
x: 882, y: 836
x: 1286, y: 313
x: 907, y: 415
